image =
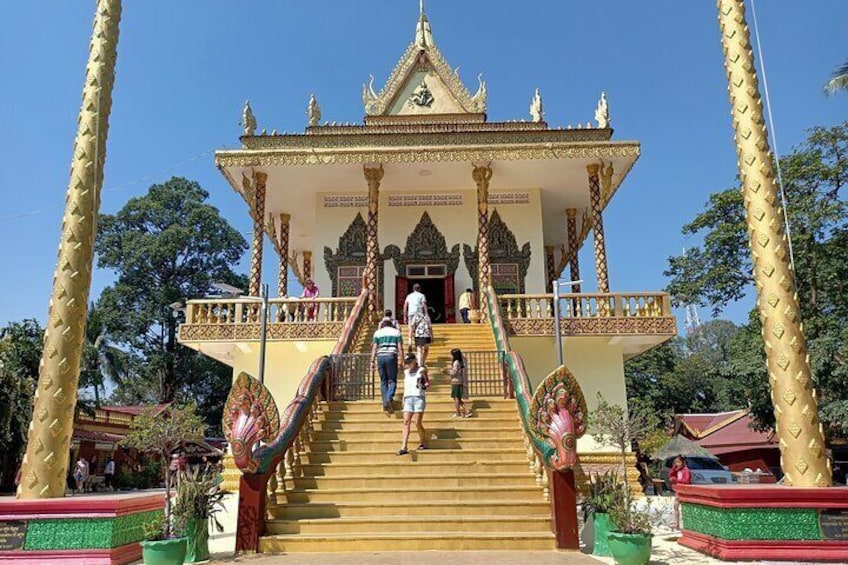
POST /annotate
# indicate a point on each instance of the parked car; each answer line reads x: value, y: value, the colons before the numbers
x: 705, y: 471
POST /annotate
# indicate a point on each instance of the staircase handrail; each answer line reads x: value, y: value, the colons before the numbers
x: 518, y: 377
x: 295, y: 414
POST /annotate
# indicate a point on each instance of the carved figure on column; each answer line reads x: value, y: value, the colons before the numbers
x: 606, y: 172
x: 280, y: 239
x: 373, y: 176
x: 573, y: 247
x: 45, y: 464
x: 482, y: 175
x: 598, y: 226
x: 799, y: 431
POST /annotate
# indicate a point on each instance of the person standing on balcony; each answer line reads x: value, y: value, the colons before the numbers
x: 310, y: 290
x: 386, y: 349
x: 415, y: 384
x: 465, y: 300
x: 421, y: 329
x: 415, y: 303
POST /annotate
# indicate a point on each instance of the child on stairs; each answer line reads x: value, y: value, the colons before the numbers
x: 459, y: 384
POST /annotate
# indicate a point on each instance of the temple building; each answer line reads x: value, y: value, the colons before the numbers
x: 427, y: 190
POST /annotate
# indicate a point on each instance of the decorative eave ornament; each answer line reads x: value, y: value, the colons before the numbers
x: 602, y: 115
x: 537, y: 110
x: 248, y: 121
x: 313, y: 111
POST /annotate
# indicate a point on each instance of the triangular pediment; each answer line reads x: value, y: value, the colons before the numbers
x: 422, y: 84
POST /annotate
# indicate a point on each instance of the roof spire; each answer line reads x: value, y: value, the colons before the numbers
x: 423, y: 34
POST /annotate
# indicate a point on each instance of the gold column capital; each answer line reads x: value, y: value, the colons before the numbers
x: 285, y: 219
x: 260, y: 177
x: 482, y: 174
x: 571, y: 212
x: 373, y: 175
x: 593, y: 169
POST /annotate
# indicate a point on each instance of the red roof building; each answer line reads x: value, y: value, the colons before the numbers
x: 730, y: 436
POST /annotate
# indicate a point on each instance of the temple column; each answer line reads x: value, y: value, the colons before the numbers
x: 307, y: 265
x: 258, y: 214
x: 799, y: 431
x: 550, y: 267
x: 45, y: 465
x: 482, y: 175
x: 573, y: 246
x: 280, y: 239
x: 598, y: 227
x: 373, y: 175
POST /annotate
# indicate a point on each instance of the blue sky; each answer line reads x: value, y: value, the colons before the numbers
x: 185, y: 69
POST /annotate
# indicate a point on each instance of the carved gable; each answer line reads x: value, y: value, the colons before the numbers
x: 423, y: 83
x: 347, y: 264
x: 425, y: 245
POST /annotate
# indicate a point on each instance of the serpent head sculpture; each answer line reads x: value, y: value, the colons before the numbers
x: 250, y: 416
x: 559, y: 410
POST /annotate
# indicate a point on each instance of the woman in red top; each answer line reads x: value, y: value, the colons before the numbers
x: 679, y: 475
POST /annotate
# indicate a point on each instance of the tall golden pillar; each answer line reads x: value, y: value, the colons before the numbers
x: 482, y: 175
x: 573, y: 246
x: 373, y: 176
x: 45, y: 464
x: 307, y: 265
x: 598, y: 227
x: 280, y: 239
x: 257, y: 212
x: 799, y: 432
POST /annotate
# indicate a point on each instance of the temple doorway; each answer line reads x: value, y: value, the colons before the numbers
x: 439, y: 292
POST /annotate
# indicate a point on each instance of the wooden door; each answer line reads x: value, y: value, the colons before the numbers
x: 450, y: 300
x: 401, y: 289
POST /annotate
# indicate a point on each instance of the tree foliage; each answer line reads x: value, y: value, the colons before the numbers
x: 165, y: 247
x: 20, y: 354
x: 727, y: 371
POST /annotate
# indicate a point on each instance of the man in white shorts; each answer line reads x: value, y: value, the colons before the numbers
x: 415, y: 383
x: 415, y: 304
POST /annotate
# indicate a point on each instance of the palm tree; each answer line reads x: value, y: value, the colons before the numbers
x: 838, y: 81
x: 100, y: 359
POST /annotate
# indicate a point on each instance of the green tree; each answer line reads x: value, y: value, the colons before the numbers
x: 101, y: 361
x: 838, y: 80
x: 718, y: 273
x: 162, y: 433
x: 20, y: 354
x: 165, y: 247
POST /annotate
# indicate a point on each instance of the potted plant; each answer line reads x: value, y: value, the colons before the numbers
x: 630, y: 537
x: 199, y: 499
x: 161, y: 432
x: 603, y: 492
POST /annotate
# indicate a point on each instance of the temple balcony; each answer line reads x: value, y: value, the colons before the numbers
x: 636, y: 322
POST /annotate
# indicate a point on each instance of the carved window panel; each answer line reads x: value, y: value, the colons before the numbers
x: 350, y: 280
x: 506, y: 278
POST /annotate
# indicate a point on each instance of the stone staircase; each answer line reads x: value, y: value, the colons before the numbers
x: 472, y: 489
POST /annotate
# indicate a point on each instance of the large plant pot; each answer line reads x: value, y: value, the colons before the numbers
x: 630, y: 549
x: 602, y: 526
x: 164, y: 552
x: 197, y: 540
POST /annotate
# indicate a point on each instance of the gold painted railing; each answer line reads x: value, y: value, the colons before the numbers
x: 585, y: 305
x: 280, y: 310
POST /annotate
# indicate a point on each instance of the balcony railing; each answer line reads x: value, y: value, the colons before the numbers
x: 288, y: 318
x: 586, y: 314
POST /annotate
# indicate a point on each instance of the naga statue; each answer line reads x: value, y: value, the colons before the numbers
x: 250, y: 417
x: 558, y: 412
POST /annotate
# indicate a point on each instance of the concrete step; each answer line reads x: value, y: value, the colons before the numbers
x: 482, y: 405
x: 406, y: 542
x: 391, y: 431
x: 383, y: 422
x: 411, y: 524
x: 393, y: 443
x: 428, y: 455
x: 411, y: 495
x: 479, y: 507
x: 408, y: 468
x: 386, y: 481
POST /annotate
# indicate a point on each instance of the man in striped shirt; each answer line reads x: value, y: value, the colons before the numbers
x: 387, y: 345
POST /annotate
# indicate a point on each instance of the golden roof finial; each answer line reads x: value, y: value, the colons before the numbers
x: 423, y: 33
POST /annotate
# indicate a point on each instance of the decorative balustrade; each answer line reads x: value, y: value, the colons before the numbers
x: 589, y: 314
x: 288, y: 318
